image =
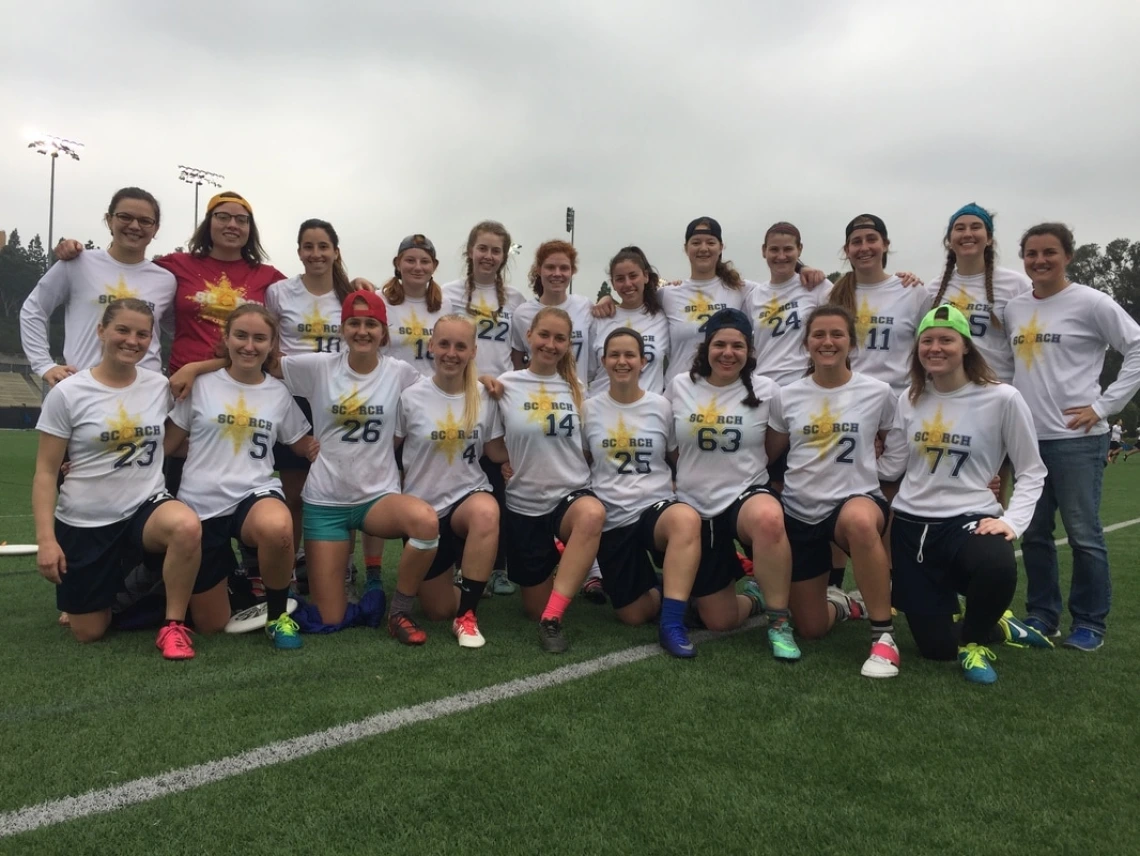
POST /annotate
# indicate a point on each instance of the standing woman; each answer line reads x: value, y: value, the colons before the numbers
x: 307, y: 309
x: 232, y: 418
x: 484, y: 296
x: 414, y: 301
x: 827, y: 424
x: 973, y: 285
x: 721, y: 414
x: 87, y: 285
x: 630, y: 435
x: 950, y: 535
x: 354, y: 483
x: 549, y: 494
x: 555, y: 263
x: 113, y: 510
x: 636, y: 283
x: 1059, y: 333
x: 443, y: 424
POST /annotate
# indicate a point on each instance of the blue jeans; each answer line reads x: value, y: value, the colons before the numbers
x: 1073, y: 486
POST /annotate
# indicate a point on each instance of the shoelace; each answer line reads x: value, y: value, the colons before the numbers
x: 678, y: 637
x: 468, y: 624
x: 551, y: 627
x: 286, y: 625
x: 976, y: 657
x: 178, y: 636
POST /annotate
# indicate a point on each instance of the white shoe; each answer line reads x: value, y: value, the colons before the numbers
x: 884, y: 659
x: 466, y: 630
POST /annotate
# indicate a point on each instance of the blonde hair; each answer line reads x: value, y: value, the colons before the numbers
x: 567, y: 366
x: 472, y: 399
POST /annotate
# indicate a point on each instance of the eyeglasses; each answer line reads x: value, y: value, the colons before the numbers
x: 224, y: 217
x: 126, y: 219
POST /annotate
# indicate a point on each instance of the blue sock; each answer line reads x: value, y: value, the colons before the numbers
x: 672, y: 612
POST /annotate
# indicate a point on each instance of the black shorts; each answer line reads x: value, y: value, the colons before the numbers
x: 450, y: 550
x: 778, y: 468
x: 1113, y: 445
x: 531, y: 554
x: 624, y: 557
x: 925, y: 579
x: 811, y: 542
x: 100, y: 557
x: 284, y: 458
x: 720, y: 566
x: 218, y: 535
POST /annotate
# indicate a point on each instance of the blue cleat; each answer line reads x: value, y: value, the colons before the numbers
x: 283, y: 632
x: 974, y: 660
x: 675, y: 640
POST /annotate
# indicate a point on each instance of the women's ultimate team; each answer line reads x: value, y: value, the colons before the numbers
x: 810, y: 423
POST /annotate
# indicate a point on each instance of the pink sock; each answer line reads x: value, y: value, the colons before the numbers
x: 556, y: 606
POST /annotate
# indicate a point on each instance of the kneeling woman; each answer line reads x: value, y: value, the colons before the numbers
x: 720, y: 417
x: 354, y: 482
x: 949, y: 536
x: 549, y: 494
x: 233, y: 416
x: 828, y: 422
x: 444, y: 422
x: 629, y: 435
x: 113, y: 510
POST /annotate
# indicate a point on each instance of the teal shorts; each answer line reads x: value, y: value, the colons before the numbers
x: 335, y: 522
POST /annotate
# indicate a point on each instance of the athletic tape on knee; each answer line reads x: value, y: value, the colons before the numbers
x: 424, y: 545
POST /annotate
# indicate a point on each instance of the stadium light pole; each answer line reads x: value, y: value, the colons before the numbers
x: 570, y: 229
x: 198, y: 177
x: 53, y: 147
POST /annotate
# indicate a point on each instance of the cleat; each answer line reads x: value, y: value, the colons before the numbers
x: 856, y: 597
x: 1021, y: 635
x: 593, y: 592
x: 404, y: 629
x: 550, y: 636
x: 1084, y: 639
x: 783, y: 643
x: 499, y: 583
x: 466, y: 630
x: 675, y: 640
x: 973, y: 659
x: 846, y: 607
x: 284, y: 633
x: 1041, y: 627
x: 174, y: 642
x: 373, y: 584
x: 752, y: 591
x: 884, y: 659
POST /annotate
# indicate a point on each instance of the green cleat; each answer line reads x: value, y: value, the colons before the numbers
x: 1018, y: 634
x: 783, y: 643
x: 973, y: 659
x: 283, y: 633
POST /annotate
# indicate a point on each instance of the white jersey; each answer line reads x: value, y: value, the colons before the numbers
x: 409, y: 328
x: 886, y: 318
x: 952, y: 446
x: 968, y: 295
x: 779, y: 315
x: 85, y: 285
x: 114, y: 442
x: 831, y: 433
x: 543, y: 433
x: 354, y: 420
x: 688, y: 307
x: 441, y: 457
x: 492, y: 324
x: 310, y: 324
x: 628, y: 444
x: 654, y: 329
x: 720, y: 440
x: 581, y: 318
x: 233, y: 427
x: 1117, y: 434
x: 1059, y: 344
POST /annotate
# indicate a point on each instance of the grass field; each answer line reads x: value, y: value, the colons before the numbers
x: 728, y: 753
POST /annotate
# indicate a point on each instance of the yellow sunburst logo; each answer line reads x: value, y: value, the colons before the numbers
x: 120, y: 291
x: 863, y: 319
x: 1027, y: 342
x: 706, y: 415
x: 934, y: 430
x: 316, y: 325
x: 540, y: 404
x: 349, y: 406
x: 238, y: 426
x: 823, y: 435
x: 218, y: 299
x: 701, y: 308
x: 122, y: 428
x: 482, y: 309
x: 621, y: 438
x: 414, y: 330
x: 769, y: 310
x: 448, y: 436
x: 961, y: 302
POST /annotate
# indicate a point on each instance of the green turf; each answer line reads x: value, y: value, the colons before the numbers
x: 730, y: 753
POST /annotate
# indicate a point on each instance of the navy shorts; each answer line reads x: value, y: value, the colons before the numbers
x: 926, y: 578
x: 284, y: 458
x: 449, y: 553
x: 811, y: 542
x: 218, y: 535
x: 624, y: 557
x: 100, y: 557
x: 720, y: 567
x: 531, y: 554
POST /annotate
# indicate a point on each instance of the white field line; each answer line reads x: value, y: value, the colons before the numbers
x: 188, y: 778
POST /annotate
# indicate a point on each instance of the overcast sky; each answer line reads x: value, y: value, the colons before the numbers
x: 642, y: 114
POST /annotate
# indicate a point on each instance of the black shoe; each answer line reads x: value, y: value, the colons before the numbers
x: 550, y: 636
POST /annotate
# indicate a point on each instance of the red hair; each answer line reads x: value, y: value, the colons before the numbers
x: 545, y: 251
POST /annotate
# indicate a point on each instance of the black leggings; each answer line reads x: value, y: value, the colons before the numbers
x: 985, y: 571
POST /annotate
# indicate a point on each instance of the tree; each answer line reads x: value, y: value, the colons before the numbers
x: 1116, y: 272
x: 36, y: 256
x: 834, y: 276
x: 605, y: 290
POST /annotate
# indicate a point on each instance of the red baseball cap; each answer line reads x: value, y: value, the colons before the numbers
x: 375, y: 307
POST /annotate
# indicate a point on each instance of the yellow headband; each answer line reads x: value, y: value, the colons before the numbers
x: 215, y: 201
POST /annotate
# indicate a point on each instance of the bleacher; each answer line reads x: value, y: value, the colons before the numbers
x: 15, y: 391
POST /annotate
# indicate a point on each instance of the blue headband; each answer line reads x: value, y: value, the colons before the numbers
x: 979, y: 212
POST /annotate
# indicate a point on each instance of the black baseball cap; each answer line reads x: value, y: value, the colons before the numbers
x: 867, y: 221
x: 417, y: 242
x: 704, y: 226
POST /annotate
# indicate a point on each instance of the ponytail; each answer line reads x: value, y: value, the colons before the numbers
x: 951, y: 261
x: 843, y: 294
x: 988, y: 255
x: 729, y: 275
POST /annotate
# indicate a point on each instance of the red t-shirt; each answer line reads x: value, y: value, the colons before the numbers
x: 208, y: 291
